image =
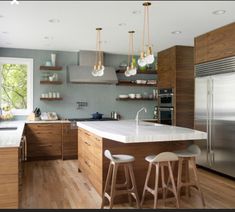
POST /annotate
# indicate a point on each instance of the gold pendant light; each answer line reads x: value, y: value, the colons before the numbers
x: 98, y: 67
x: 131, y: 66
x: 146, y: 56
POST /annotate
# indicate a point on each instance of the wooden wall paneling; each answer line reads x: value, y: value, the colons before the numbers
x: 184, y: 86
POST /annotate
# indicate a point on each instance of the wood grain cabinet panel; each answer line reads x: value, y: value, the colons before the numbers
x: 90, y: 157
x: 9, y: 177
x: 216, y: 44
x: 44, y: 141
x: 176, y: 71
x: 69, y: 142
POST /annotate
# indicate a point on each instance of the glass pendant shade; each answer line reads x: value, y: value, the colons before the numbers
x: 131, y: 68
x: 147, y: 56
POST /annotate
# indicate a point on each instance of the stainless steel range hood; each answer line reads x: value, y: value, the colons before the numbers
x: 82, y: 73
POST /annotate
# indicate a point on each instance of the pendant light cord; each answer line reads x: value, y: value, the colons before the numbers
x: 96, y: 59
x: 144, y: 29
x: 132, y: 47
x: 128, y: 60
x: 147, y: 8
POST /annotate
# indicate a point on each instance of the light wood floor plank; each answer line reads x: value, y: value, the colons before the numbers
x: 58, y: 184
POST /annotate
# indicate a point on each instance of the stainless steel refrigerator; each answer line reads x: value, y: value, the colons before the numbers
x: 215, y: 114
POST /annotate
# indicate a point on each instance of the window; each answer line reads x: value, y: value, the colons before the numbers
x: 16, y: 84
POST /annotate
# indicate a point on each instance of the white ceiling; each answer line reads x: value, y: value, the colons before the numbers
x: 26, y: 25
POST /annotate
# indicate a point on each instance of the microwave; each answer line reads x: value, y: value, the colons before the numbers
x: 166, y: 97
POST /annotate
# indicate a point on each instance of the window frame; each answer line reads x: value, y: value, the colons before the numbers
x: 29, y: 63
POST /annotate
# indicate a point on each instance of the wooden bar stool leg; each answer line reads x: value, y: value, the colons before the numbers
x: 173, y: 184
x: 163, y: 185
x: 168, y: 179
x: 156, y: 186
x: 134, y: 187
x: 179, y: 182
x: 187, y: 177
x: 113, y: 189
x: 197, y: 180
x: 107, y: 184
x: 146, y: 184
x: 127, y: 176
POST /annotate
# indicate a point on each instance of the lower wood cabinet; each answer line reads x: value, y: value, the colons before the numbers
x: 90, y: 157
x: 51, y: 141
x: 9, y: 177
x: 44, y: 141
x: 69, y: 142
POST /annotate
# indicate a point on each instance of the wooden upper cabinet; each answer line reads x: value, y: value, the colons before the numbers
x: 200, y: 50
x: 217, y: 44
x: 166, y: 68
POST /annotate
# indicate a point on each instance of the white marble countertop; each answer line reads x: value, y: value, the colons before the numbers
x: 126, y: 131
x: 11, y: 138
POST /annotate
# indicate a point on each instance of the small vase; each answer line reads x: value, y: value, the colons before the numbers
x: 53, y: 58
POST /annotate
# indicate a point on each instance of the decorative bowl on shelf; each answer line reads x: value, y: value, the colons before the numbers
x: 123, y: 96
x: 131, y: 95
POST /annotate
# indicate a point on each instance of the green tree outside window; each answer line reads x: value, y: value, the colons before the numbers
x: 14, y: 85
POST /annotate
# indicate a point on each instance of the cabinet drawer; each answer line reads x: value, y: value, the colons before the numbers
x: 44, y: 149
x: 90, y: 147
x: 93, y: 172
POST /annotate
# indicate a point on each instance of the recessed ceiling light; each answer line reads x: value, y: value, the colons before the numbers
x: 54, y: 20
x: 1, y: 16
x: 4, y: 32
x: 14, y: 2
x: 48, y: 38
x: 136, y: 12
x: 218, y: 12
x: 122, y: 24
x: 177, y: 32
x: 104, y: 41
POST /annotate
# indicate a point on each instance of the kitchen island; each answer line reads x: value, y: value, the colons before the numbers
x: 125, y: 137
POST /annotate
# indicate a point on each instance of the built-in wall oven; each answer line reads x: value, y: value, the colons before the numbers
x: 166, y: 106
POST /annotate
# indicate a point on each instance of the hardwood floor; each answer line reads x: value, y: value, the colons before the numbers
x: 58, y: 184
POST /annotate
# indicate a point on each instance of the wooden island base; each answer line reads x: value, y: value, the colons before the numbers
x: 94, y: 164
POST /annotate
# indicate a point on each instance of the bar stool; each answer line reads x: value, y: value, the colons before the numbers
x: 115, y: 162
x: 160, y: 161
x: 188, y: 156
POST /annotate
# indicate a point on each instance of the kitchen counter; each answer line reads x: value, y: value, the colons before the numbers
x: 126, y: 131
x: 47, y: 122
x: 11, y: 138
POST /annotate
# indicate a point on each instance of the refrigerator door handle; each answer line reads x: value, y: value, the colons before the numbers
x: 212, y: 153
x: 207, y: 122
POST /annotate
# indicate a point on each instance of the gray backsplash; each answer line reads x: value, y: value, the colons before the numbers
x: 100, y: 98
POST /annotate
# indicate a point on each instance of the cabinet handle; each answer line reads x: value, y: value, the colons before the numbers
x: 45, y: 145
x: 87, y: 134
x: 87, y: 143
x: 87, y: 164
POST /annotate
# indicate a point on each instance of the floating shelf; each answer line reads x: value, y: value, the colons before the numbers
x: 129, y: 83
x: 51, y: 82
x: 127, y: 99
x: 51, y: 68
x: 139, y: 72
x: 51, y: 99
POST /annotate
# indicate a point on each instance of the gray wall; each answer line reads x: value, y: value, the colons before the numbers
x: 101, y: 98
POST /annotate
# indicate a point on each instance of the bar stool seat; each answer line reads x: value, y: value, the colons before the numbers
x: 111, y: 189
x: 123, y: 158
x: 188, y: 156
x: 160, y: 161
